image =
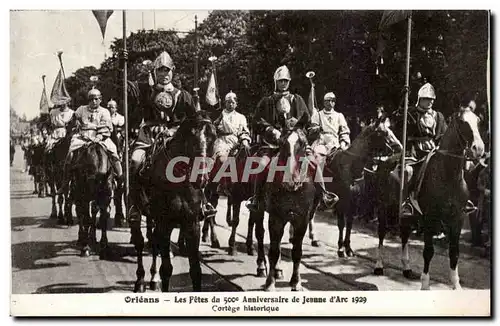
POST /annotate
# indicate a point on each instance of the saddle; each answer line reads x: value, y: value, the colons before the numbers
x: 160, y: 142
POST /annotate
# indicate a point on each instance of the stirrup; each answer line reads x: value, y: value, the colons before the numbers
x: 252, y: 204
x: 208, y: 210
x: 134, y: 214
x: 470, y: 207
x: 407, y: 209
x: 330, y: 199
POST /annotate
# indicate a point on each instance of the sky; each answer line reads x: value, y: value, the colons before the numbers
x: 36, y: 36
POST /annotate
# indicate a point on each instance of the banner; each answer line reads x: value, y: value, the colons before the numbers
x: 389, y: 18
x: 211, y: 96
x: 44, y: 102
x: 59, y: 94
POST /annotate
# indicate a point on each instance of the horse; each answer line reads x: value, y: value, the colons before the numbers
x: 345, y: 167
x: 177, y: 204
x: 444, y: 192
x: 55, y: 164
x: 119, y: 218
x: 93, y: 181
x: 37, y: 169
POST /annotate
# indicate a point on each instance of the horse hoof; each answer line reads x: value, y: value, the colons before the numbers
x: 278, y: 274
x: 408, y: 274
x: 270, y: 288
x: 315, y: 243
x: 231, y: 251
x: 215, y: 245
x: 297, y: 288
x: 349, y: 252
x: 102, y: 255
x: 250, y: 250
x: 290, y: 240
x: 204, y: 237
x: 53, y: 216
x: 340, y: 253
x: 85, y: 253
x: 61, y: 222
x: 153, y: 286
x: 139, y: 287
x: 379, y: 271
x: 261, y: 272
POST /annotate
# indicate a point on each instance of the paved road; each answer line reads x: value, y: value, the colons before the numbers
x: 45, y: 258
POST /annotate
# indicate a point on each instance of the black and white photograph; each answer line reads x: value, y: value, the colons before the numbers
x: 250, y: 162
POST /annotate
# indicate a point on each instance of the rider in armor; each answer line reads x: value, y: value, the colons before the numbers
x: 332, y: 127
x: 93, y: 124
x: 270, y: 119
x: 163, y: 113
x: 232, y: 129
x: 60, y: 117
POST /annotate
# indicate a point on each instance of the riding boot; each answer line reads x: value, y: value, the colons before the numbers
x: 470, y: 207
x: 66, y: 175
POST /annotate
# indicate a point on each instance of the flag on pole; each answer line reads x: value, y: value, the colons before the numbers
x: 102, y: 17
x: 44, y: 102
x: 211, y: 96
x: 389, y: 18
x: 59, y: 94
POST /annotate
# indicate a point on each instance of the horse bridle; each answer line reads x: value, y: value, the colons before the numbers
x: 462, y: 142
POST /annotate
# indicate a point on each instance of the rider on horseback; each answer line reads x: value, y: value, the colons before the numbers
x: 164, y: 111
x: 60, y: 117
x: 331, y: 126
x: 94, y: 124
x: 271, y: 118
x: 232, y: 129
x: 425, y: 128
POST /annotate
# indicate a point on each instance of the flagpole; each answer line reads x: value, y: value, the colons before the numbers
x: 125, y: 109
x: 59, y: 55
x: 405, y: 116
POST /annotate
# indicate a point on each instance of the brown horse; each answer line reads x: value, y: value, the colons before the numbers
x: 444, y: 194
x: 344, y: 167
x: 177, y: 204
x: 93, y: 181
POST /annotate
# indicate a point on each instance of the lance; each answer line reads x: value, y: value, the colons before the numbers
x: 125, y: 110
x: 405, y: 117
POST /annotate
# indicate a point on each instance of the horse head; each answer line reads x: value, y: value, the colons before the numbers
x: 464, y: 135
x: 293, y: 146
x: 197, y: 135
x: 377, y: 138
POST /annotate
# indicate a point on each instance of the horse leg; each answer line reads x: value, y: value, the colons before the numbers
x: 138, y: 242
x: 192, y: 245
x: 155, y: 250
x: 298, y: 237
x: 340, y: 243
x: 53, y: 214
x: 276, y: 228
x: 117, y: 199
x: 405, y: 230
x: 428, y: 253
x: 312, y: 235
x: 60, y: 203
x: 213, y: 236
x: 382, y: 230
x: 68, y: 208
x: 249, y: 241
x: 228, y: 211
x: 347, y: 240
x: 181, y: 243
x: 149, y: 232
x: 206, y: 225
x: 234, y: 226
x: 163, y: 241
x: 454, y: 230
x: 103, y: 221
x: 258, y: 219
x: 87, y: 226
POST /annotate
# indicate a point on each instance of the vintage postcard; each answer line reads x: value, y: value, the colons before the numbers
x: 250, y: 163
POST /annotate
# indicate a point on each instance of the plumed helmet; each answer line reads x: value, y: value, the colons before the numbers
x: 112, y: 102
x: 93, y: 93
x: 282, y: 73
x: 230, y: 95
x: 426, y: 91
x: 164, y: 60
x: 329, y: 96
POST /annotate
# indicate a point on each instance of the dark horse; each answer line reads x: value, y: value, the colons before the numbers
x: 93, y: 181
x: 177, y: 204
x: 287, y: 199
x: 55, y: 164
x: 344, y: 167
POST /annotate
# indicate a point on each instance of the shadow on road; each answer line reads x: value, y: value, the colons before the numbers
x: 27, y: 255
x: 78, y: 288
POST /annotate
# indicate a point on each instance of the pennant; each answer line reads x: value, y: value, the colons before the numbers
x: 389, y: 18
x: 102, y: 17
x: 211, y: 96
x: 59, y: 94
x: 44, y: 102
